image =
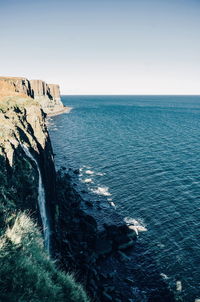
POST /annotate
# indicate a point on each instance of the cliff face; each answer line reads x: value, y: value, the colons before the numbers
x: 26, y: 271
x: 48, y: 95
x: 22, y: 122
x: 14, y: 86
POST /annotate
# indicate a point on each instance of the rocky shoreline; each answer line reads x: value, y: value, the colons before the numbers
x: 92, y: 239
x: 64, y: 110
x: 88, y: 236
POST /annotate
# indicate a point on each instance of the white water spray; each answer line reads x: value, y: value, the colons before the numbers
x: 41, y: 201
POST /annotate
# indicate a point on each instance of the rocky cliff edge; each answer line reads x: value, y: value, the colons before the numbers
x: 48, y: 95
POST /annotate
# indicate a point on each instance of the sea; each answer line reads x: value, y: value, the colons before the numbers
x: 142, y: 153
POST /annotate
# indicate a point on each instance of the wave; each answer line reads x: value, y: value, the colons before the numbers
x: 90, y: 172
x: 164, y: 276
x: 101, y: 191
x: 135, y: 225
x: 87, y: 180
x: 100, y: 174
x: 112, y: 204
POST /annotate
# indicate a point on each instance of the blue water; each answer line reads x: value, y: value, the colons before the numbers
x: 143, y: 152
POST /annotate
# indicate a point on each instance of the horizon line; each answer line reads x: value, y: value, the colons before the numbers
x: 130, y: 94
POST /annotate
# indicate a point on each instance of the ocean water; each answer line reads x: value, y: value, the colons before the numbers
x: 143, y: 154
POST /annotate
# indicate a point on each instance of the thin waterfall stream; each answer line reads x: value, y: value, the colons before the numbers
x: 41, y: 202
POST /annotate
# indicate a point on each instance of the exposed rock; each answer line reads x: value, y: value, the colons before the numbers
x: 22, y: 122
x: 48, y: 95
x: 14, y: 85
x: 107, y: 297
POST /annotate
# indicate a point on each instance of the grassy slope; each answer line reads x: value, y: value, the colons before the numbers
x: 27, y: 273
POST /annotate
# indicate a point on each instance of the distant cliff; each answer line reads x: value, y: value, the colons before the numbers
x: 48, y: 95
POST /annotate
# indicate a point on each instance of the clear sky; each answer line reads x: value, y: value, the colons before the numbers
x: 103, y: 46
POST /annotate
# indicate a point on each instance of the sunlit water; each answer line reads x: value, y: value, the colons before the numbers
x: 143, y: 154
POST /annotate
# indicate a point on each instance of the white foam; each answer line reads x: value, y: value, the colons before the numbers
x: 161, y: 245
x: 164, y: 276
x: 87, y: 180
x: 90, y: 172
x: 101, y: 191
x: 178, y: 286
x: 100, y: 174
x: 84, y: 167
x: 134, y: 228
x: 113, y: 204
x: 134, y: 224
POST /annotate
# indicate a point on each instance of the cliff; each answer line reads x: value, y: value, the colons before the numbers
x: 80, y: 235
x: 86, y: 234
x: 27, y: 178
x: 48, y: 95
x: 15, y: 86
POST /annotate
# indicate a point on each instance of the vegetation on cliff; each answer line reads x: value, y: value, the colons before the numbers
x: 26, y: 272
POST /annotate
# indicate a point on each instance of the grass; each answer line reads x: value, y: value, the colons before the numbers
x: 16, y: 102
x: 26, y: 272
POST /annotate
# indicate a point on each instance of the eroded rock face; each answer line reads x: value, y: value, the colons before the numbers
x: 12, y: 85
x: 22, y: 122
x: 55, y: 91
x: 48, y: 95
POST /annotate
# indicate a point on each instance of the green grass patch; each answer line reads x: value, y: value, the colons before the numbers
x: 26, y: 272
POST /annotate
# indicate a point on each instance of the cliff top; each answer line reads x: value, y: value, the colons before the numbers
x: 12, y: 78
x: 48, y: 95
x: 7, y: 90
x: 16, y: 101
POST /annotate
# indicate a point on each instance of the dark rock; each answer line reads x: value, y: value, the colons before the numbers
x: 76, y: 171
x: 129, y: 281
x: 103, y: 246
x: 106, y: 297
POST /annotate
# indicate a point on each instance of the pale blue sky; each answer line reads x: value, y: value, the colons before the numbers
x: 104, y: 46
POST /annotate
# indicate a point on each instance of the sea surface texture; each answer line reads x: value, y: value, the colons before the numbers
x: 143, y: 154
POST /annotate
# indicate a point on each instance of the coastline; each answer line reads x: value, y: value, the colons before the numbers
x: 64, y: 110
x: 98, y: 246
x: 87, y: 235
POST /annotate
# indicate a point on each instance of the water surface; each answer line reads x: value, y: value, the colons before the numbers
x: 143, y: 154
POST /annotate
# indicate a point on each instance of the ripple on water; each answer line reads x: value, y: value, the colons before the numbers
x: 147, y: 150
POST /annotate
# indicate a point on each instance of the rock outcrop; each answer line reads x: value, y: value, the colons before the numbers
x: 27, y: 273
x: 22, y: 122
x: 13, y: 86
x: 48, y: 95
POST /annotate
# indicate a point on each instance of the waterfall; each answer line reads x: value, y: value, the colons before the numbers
x: 41, y: 202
